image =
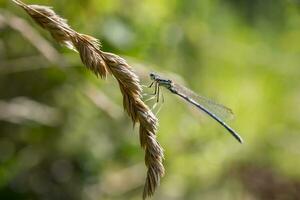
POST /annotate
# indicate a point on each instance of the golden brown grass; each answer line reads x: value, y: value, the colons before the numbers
x: 103, y: 63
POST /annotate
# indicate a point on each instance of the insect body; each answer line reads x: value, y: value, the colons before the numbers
x: 213, y: 109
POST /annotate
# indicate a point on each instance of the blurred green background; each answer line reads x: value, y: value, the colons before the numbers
x: 63, y: 132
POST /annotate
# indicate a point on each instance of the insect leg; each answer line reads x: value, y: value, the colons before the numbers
x: 158, y: 93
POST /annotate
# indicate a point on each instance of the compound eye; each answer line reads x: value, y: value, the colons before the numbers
x: 152, y: 76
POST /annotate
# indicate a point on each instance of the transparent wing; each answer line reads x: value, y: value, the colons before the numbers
x: 220, y: 110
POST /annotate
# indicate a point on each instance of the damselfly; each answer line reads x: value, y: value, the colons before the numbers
x: 213, y: 109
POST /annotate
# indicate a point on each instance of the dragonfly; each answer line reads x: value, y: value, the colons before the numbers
x: 216, y: 111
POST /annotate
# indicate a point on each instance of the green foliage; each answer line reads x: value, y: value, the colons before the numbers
x: 244, y: 54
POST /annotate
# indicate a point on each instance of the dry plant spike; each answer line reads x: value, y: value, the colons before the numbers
x: 89, y: 50
x: 49, y: 20
x: 102, y: 63
x: 27, y: 31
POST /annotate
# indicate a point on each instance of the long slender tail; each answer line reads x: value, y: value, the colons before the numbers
x: 212, y: 115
